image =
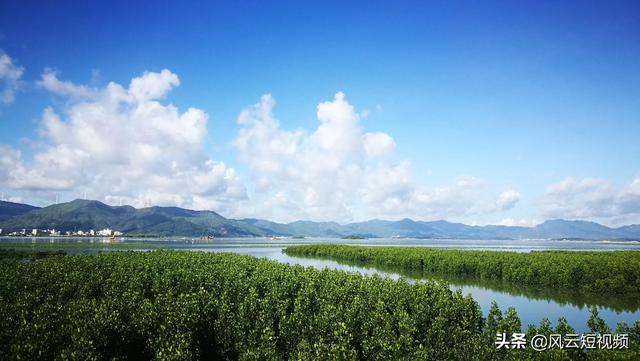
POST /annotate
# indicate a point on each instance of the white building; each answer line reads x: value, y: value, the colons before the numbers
x: 105, y: 232
x: 34, y: 232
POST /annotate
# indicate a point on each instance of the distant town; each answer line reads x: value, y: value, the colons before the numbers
x: 107, y: 232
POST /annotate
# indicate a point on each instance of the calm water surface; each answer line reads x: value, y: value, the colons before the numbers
x: 532, y: 304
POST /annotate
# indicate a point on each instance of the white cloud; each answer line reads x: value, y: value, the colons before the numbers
x: 153, y: 85
x: 10, y: 75
x: 378, y: 144
x: 592, y: 198
x: 522, y: 222
x: 340, y: 172
x: 50, y: 82
x: 122, y: 145
x: 508, y: 199
x: 579, y: 198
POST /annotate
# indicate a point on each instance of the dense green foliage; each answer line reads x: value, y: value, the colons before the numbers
x: 562, y: 295
x: 32, y: 255
x: 142, y: 235
x: 598, y: 272
x: 192, y: 305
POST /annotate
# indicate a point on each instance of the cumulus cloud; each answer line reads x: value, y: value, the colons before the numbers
x: 49, y: 81
x: 121, y: 144
x: 592, y: 198
x: 341, y: 172
x: 378, y: 144
x: 508, y: 199
x: 10, y: 75
x: 153, y: 85
x: 124, y: 144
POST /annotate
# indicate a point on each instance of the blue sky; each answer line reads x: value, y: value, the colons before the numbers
x: 539, y: 99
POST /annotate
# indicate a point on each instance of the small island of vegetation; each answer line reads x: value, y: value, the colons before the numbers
x: 616, y: 272
x: 353, y: 236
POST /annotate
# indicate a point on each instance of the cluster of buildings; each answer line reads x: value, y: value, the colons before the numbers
x: 107, y: 232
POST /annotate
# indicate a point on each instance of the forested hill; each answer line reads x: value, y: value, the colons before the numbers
x: 174, y: 221
x: 166, y: 221
x: 11, y: 209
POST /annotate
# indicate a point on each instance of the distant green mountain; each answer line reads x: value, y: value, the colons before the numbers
x: 407, y: 228
x: 574, y: 229
x: 298, y: 228
x: 419, y: 229
x: 165, y: 221
x: 174, y: 221
x: 10, y: 209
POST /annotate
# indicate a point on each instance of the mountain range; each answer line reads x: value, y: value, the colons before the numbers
x: 173, y: 221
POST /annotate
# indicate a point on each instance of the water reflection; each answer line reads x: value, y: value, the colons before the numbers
x: 628, y: 303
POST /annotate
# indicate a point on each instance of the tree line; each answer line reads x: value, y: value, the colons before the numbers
x: 615, y: 272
